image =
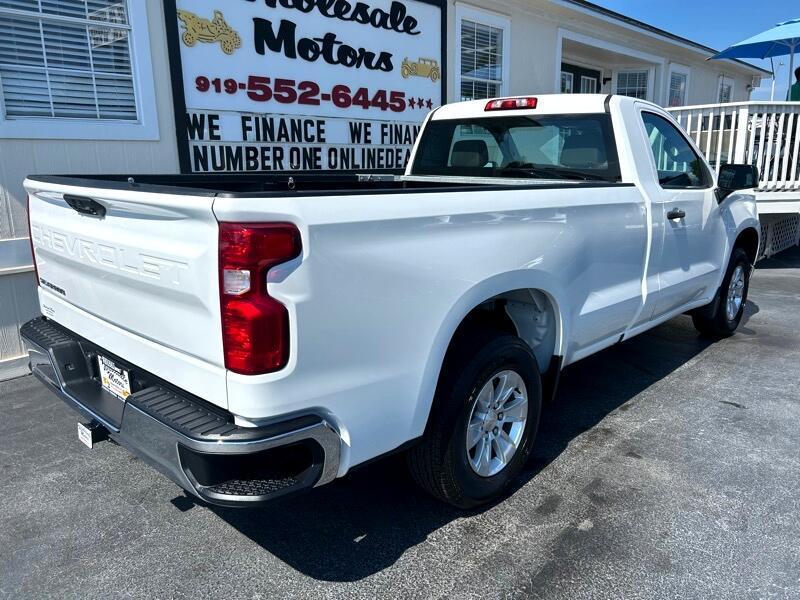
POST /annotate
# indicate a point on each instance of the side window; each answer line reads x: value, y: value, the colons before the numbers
x: 679, y: 166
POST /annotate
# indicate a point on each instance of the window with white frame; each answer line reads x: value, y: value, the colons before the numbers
x: 633, y: 83
x: 68, y: 70
x: 725, y: 90
x: 67, y: 59
x: 566, y: 82
x: 588, y: 85
x: 483, y: 65
x: 678, y: 88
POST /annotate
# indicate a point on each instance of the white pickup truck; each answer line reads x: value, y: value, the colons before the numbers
x: 253, y: 336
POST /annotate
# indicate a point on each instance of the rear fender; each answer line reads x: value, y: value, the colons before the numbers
x: 476, y: 295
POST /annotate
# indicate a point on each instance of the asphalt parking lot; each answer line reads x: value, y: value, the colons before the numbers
x: 669, y: 467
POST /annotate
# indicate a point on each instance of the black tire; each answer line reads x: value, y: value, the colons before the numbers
x: 440, y: 463
x: 713, y: 320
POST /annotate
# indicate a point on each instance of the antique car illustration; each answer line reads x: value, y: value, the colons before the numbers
x: 424, y: 67
x: 198, y: 29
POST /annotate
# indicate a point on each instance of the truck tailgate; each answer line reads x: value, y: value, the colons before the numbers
x: 144, y: 274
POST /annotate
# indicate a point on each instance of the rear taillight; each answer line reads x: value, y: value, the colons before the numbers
x: 255, y: 327
x: 511, y: 104
x: 30, y: 239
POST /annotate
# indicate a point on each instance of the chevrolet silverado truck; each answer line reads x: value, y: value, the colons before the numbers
x: 251, y: 336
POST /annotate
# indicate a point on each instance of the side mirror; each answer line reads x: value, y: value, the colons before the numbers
x: 735, y: 177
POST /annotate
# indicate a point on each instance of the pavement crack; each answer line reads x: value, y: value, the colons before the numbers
x: 736, y: 404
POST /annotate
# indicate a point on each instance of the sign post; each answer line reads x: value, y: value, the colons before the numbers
x: 283, y: 85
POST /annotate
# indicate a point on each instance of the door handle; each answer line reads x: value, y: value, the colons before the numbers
x: 85, y: 206
x: 675, y: 214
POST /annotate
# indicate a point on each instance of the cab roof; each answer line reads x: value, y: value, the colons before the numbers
x: 546, y: 104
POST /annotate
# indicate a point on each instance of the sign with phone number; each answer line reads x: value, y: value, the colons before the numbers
x: 369, y: 72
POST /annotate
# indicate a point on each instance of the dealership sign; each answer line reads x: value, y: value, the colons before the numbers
x: 277, y: 85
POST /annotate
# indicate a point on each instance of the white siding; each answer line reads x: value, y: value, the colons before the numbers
x: 534, y: 36
x: 21, y: 157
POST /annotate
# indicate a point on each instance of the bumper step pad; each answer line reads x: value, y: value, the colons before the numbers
x: 196, y: 444
x: 256, y: 487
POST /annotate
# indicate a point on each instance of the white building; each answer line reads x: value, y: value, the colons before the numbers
x: 573, y: 45
x: 95, y: 85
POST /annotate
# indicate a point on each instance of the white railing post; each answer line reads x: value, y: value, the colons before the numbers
x: 762, y: 144
x: 794, y: 177
x: 732, y: 136
x: 720, y: 137
x: 688, y: 123
x: 699, y: 127
x: 740, y: 148
x: 709, y: 132
x: 786, y: 177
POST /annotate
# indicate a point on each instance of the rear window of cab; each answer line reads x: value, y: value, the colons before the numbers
x: 578, y: 147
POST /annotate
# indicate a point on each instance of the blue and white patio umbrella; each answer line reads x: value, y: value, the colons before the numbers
x: 781, y: 40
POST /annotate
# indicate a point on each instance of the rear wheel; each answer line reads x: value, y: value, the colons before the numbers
x: 722, y: 317
x: 483, y: 422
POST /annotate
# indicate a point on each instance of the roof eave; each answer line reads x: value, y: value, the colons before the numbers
x: 590, y: 6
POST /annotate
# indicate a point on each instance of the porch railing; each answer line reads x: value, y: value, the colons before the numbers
x: 766, y: 134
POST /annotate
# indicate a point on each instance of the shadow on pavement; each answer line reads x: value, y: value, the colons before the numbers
x: 362, y: 524
x: 788, y: 259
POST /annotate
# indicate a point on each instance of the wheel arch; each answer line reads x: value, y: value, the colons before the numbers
x: 748, y: 240
x: 526, y: 304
